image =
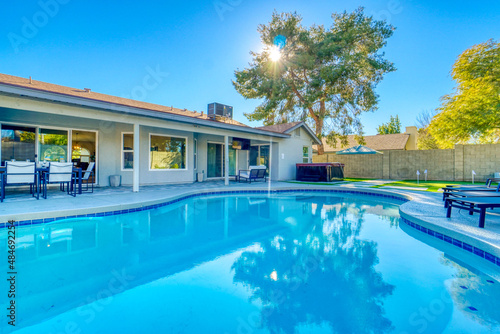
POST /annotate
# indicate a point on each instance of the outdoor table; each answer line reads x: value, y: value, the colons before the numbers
x: 41, y: 170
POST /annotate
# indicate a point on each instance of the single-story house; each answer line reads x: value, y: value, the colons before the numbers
x: 144, y: 143
x: 395, y: 141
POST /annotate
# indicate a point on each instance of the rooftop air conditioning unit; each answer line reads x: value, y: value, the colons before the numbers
x: 221, y: 110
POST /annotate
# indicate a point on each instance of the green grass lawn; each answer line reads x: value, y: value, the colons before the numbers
x: 426, y: 185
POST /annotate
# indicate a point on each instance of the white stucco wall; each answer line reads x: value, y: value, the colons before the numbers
x: 109, y: 126
x: 290, y: 153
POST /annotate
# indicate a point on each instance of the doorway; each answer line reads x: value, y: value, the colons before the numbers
x: 215, y: 160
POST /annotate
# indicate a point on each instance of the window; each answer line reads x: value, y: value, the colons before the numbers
x: 18, y: 143
x: 127, y: 151
x: 53, y: 145
x: 305, y: 154
x: 167, y: 152
x: 195, y: 148
x: 297, y: 132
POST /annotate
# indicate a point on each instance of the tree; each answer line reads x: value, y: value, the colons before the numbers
x: 425, y: 140
x: 393, y: 126
x: 325, y: 77
x: 472, y: 112
x: 323, y: 267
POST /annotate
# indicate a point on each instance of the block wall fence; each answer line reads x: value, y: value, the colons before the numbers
x: 451, y: 165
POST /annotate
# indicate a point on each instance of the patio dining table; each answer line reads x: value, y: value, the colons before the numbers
x: 42, y: 170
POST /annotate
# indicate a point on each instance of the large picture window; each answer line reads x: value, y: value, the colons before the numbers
x: 18, y: 143
x: 167, y: 152
x: 53, y: 145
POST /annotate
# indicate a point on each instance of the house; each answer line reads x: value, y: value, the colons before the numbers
x: 396, y: 141
x: 144, y: 143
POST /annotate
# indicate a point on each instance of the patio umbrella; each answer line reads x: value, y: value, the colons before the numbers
x: 360, y: 149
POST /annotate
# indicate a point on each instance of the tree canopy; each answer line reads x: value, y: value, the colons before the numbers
x: 472, y: 112
x: 325, y: 77
x: 425, y: 140
x: 393, y: 126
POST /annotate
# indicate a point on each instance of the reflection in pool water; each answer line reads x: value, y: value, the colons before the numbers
x: 246, y: 264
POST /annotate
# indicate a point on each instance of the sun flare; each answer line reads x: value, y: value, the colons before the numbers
x: 275, y: 53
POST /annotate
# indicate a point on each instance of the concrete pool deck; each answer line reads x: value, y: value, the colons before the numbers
x: 425, y: 208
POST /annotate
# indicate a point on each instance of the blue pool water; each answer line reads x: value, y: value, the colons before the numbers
x: 290, y: 263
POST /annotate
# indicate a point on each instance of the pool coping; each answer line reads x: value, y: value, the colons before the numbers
x: 470, y: 243
x: 111, y: 210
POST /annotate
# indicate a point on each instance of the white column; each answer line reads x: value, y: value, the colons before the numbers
x: 226, y: 160
x: 136, y: 158
x: 270, y: 159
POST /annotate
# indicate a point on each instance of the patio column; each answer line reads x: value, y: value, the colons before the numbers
x: 135, y: 182
x: 270, y: 160
x: 226, y: 160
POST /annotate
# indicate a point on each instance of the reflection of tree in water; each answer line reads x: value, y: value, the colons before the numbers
x: 481, y: 292
x: 323, y: 275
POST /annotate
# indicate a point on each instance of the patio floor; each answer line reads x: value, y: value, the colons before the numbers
x: 426, y: 207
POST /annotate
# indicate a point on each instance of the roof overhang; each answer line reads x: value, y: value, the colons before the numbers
x: 123, y: 109
x: 308, y: 129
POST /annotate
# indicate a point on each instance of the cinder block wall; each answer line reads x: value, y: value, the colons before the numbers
x: 451, y: 165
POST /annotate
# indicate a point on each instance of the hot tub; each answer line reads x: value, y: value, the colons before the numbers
x: 325, y: 171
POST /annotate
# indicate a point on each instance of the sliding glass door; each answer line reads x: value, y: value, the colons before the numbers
x: 83, y: 149
x: 215, y: 160
x: 18, y: 143
x: 259, y: 156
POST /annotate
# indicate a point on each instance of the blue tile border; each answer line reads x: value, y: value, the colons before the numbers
x: 232, y: 192
x: 455, y: 242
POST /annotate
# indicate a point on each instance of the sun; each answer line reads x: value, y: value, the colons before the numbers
x: 274, y: 53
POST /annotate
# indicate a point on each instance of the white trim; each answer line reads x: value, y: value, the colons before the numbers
x: 137, y: 158
x: 308, y: 154
x: 308, y: 130
x: 195, y: 153
x: 122, y: 151
x: 168, y: 170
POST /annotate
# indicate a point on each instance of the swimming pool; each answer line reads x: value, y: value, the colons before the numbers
x: 285, y: 263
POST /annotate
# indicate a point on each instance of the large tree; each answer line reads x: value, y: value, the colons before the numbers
x: 472, y: 112
x: 323, y: 76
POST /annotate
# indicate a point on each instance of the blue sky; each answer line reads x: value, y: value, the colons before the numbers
x: 195, y: 46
